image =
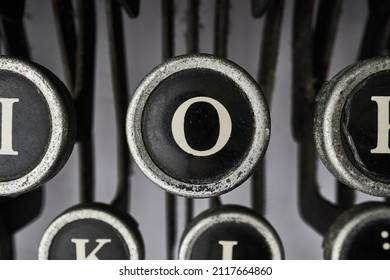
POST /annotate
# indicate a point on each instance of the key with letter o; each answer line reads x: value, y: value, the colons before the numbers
x: 37, y: 125
x: 94, y: 232
x: 352, y: 126
x: 360, y: 233
x: 197, y: 125
x: 230, y: 232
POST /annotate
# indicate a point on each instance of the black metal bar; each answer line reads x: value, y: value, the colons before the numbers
x: 324, y: 36
x: 303, y: 80
x: 14, y: 37
x: 270, y: 48
x: 192, y: 38
x: 12, y: 10
x: 78, y: 55
x: 167, y: 9
x: 17, y: 212
x: 318, y: 212
x: 345, y: 196
x: 267, y: 69
x: 131, y: 7
x: 83, y: 92
x: 329, y: 12
x: 64, y: 17
x: 215, y: 201
x: 6, y: 249
x: 119, y: 80
x: 259, y: 7
x: 12, y: 29
x: 376, y: 35
x: 221, y: 26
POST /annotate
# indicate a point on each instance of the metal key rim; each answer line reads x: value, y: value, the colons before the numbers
x: 60, y: 127
x: 349, y: 222
x: 134, y: 123
x: 236, y: 214
x: 90, y: 213
x: 327, y: 135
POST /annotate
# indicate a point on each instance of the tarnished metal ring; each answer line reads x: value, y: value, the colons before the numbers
x: 261, y: 125
x: 338, y: 238
x: 231, y: 214
x: 330, y: 103
x: 63, y: 125
x: 131, y: 238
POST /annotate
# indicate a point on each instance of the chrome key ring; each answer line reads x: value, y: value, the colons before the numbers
x: 327, y: 129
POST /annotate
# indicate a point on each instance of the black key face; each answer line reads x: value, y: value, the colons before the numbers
x: 88, y: 239
x: 197, y: 125
x: 25, y: 126
x: 235, y: 241
x: 230, y: 233
x: 365, y: 126
x: 371, y: 242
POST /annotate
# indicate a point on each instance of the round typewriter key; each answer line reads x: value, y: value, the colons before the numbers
x: 230, y: 233
x: 36, y: 125
x: 198, y: 125
x: 362, y: 232
x: 352, y: 126
x: 93, y: 232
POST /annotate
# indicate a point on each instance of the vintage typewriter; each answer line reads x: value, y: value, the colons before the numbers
x: 188, y: 129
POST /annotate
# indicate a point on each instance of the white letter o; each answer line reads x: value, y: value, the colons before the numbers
x: 225, y: 126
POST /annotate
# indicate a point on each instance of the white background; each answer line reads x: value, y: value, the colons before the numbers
x: 143, y: 54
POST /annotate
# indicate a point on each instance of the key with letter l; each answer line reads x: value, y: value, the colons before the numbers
x: 230, y: 232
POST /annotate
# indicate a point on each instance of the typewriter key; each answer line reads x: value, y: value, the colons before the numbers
x: 197, y: 125
x: 362, y: 232
x: 95, y: 232
x: 352, y: 126
x: 230, y: 232
x: 36, y: 128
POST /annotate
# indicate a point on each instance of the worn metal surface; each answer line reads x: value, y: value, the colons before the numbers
x: 329, y: 107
